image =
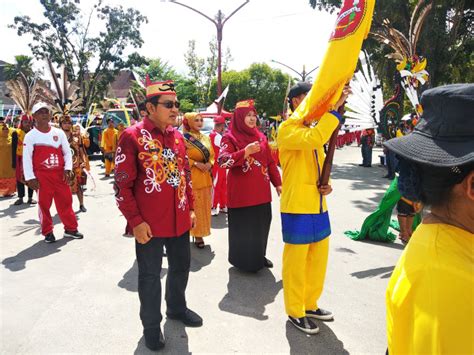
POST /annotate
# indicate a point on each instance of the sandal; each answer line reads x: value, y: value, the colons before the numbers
x: 199, y: 243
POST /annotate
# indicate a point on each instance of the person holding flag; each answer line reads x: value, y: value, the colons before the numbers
x: 304, y: 215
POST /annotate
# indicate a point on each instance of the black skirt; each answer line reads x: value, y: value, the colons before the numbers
x: 248, y: 235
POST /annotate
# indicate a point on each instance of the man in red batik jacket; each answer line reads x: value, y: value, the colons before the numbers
x: 153, y: 191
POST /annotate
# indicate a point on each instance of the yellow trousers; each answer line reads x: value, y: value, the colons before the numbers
x: 109, y: 166
x: 304, y: 270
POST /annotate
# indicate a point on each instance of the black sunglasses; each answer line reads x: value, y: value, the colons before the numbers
x: 170, y: 104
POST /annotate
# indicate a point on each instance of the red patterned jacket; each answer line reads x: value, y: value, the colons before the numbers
x: 152, y: 179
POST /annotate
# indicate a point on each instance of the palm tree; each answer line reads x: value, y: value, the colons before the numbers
x: 23, y: 65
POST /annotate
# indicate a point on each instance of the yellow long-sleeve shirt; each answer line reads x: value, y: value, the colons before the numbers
x: 298, y: 145
x: 109, y: 140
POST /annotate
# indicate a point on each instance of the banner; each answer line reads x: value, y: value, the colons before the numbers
x: 339, y: 63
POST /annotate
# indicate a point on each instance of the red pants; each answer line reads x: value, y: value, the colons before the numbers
x: 52, y: 187
x: 220, y: 187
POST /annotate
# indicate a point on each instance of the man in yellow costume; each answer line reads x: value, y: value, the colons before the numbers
x: 109, y: 145
x: 305, y: 220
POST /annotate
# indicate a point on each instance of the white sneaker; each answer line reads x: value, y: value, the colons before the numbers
x: 214, y: 212
x: 304, y: 324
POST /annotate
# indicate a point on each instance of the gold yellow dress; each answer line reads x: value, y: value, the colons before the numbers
x: 202, y: 186
x: 7, y: 173
x: 430, y: 296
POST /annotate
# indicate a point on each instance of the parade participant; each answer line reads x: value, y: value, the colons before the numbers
x: 142, y: 110
x: 201, y: 160
x: 78, y: 159
x: 153, y: 191
x: 305, y: 220
x: 109, y: 145
x: 219, y: 175
x: 245, y: 152
x: 47, y: 163
x: 18, y: 137
x: 7, y: 173
x: 367, y: 143
x: 435, y: 270
x: 120, y: 129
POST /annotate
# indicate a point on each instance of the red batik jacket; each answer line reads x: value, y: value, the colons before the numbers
x: 152, y: 179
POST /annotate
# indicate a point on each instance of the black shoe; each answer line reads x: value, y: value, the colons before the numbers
x: 154, y: 339
x: 361, y: 165
x: 367, y: 166
x: 32, y: 202
x: 49, y: 238
x: 320, y: 314
x: 189, y: 318
x: 304, y: 324
x: 73, y: 234
x: 19, y: 202
x: 82, y: 208
x: 267, y: 263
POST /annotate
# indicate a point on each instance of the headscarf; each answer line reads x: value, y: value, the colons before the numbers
x: 189, y: 117
x: 24, y: 118
x: 242, y: 135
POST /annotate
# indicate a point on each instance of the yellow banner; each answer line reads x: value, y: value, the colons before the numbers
x: 339, y: 63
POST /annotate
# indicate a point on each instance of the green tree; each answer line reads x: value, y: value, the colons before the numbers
x: 23, y: 64
x: 202, y: 71
x: 66, y: 39
x: 260, y: 82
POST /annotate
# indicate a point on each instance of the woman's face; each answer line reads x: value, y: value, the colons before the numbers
x: 251, y: 119
x: 197, y: 123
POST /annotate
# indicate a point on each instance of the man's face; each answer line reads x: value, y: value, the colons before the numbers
x: 161, y: 113
x: 296, y: 101
x: 111, y: 124
x: 66, y: 125
x: 26, y: 125
x: 42, y: 116
x: 219, y: 127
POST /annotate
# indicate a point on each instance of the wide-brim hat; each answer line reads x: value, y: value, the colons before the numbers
x: 444, y: 135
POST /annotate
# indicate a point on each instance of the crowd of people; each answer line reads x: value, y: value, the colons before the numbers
x: 169, y: 184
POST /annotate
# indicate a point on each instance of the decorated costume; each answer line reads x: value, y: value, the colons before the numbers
x: 109, y: 146
x: 199, y: 150
x: 219, y: 175
x: 248, y: 190
x: 7, y: 172
x: 153, y: 185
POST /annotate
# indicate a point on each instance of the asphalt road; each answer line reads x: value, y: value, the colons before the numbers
x: 80, y: 296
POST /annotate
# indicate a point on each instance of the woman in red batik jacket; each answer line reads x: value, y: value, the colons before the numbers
x: 245, y: 152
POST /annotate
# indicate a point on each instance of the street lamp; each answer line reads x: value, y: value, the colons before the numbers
x: 219, y: 22
x: 303, y: 74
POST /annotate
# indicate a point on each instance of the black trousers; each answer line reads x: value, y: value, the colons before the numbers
x: 20, y: 187
x: 366, y: 155
x: 149, y: 259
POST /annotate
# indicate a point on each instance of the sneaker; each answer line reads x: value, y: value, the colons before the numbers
x: 154, y: 339
x: 320, y: 314
x: 32, y: 202
x: 304, y: 324
x: 223, y: 210
x: 49, y: 238
x: 189, y: 318
x: 73, y: 234
x: 82, y: 208
x: 214, y: 212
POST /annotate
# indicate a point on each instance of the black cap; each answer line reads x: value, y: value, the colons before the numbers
x: 444, y: 135
x: 301, y: 87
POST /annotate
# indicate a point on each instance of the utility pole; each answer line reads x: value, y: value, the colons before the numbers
x: 303, y: 75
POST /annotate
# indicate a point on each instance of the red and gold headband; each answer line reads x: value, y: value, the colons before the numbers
x: 245, y: 104
x: 159, y: 88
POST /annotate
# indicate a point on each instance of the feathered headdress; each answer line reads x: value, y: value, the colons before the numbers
x: 26, y: 94
x: 64, y: 98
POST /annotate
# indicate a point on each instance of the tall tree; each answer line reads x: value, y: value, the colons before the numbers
x: 203, y: 70
x: 66, y: 39
x: 23, y: 64
x: 260, y: 82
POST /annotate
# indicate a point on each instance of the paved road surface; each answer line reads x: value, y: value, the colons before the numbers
x: 80, y: 296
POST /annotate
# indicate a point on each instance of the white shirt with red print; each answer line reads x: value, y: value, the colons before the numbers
x: 44, y: 152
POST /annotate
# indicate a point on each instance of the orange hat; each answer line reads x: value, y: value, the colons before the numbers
x: 159, y: 88
x: 219, y: 120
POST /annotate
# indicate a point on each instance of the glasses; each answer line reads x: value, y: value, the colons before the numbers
x: 170, y: 104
